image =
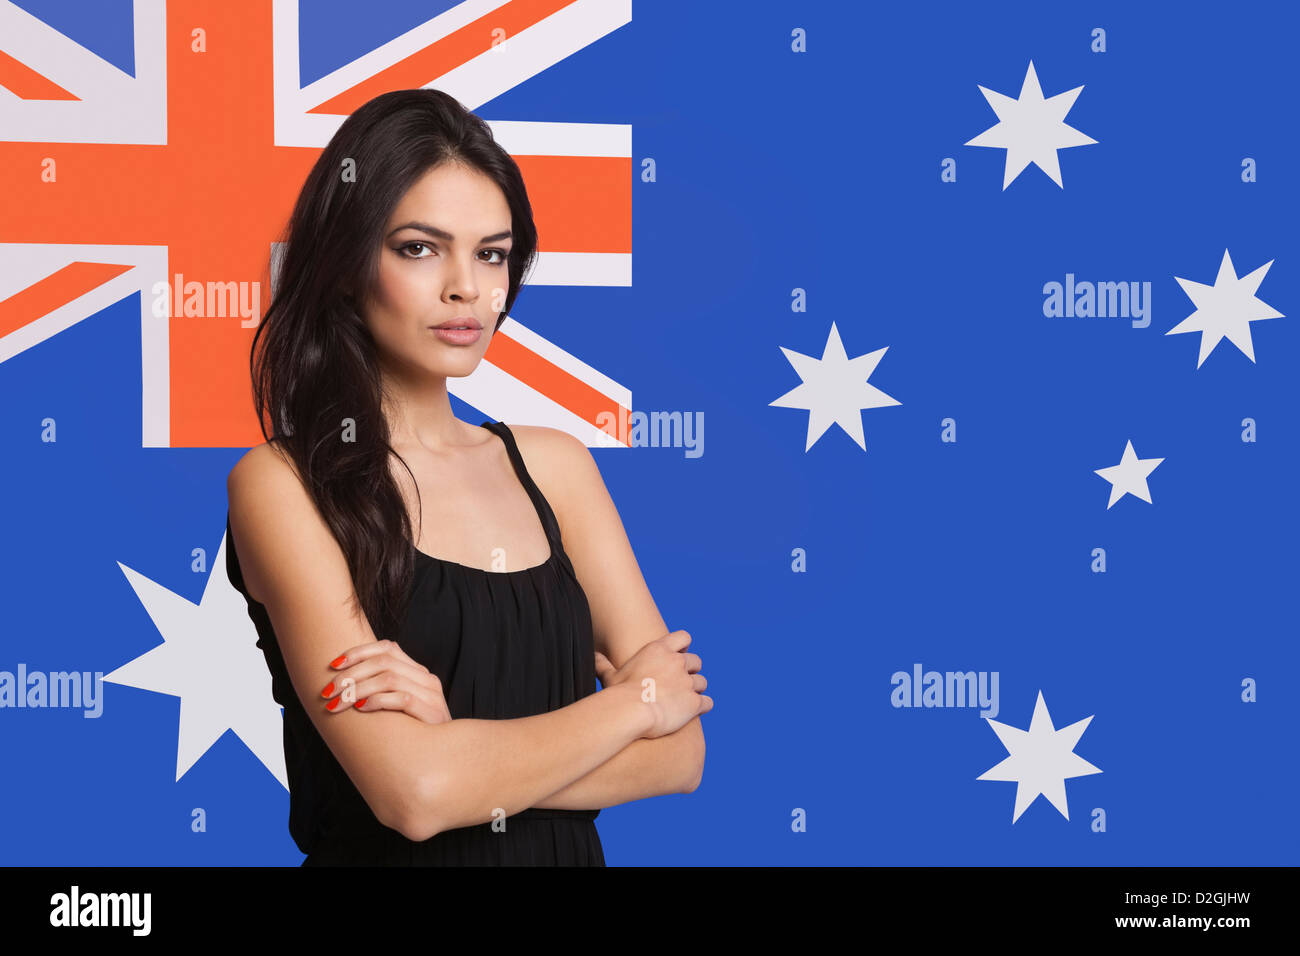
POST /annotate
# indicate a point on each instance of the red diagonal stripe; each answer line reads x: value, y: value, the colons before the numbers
x: 25, y: 83
x: 71, y: 282
x: 425, y: 66
x: 551, y: 380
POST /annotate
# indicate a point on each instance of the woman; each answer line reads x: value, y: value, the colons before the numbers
x: 438, y: 710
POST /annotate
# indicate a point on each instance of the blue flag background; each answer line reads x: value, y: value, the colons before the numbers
x: 811, y: 172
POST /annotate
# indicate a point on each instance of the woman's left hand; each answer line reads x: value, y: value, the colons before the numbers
x: 381, y: 676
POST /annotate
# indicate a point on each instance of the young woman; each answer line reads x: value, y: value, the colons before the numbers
x: 436, y: 599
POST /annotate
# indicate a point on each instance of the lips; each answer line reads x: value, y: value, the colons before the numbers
x: 448, y: 333
x: 465, y: 323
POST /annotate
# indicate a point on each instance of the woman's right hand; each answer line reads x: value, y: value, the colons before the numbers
x: 666, y: 679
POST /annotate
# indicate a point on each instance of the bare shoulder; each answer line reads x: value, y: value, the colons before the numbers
x: 550, y: 447
x: 261, y: 464
x: 264, y: 494
x: 561, y: 464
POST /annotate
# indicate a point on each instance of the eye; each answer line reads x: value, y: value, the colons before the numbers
x: 413, y: 245
x: 504, y: 254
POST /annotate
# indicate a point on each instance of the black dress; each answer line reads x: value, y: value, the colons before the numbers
x: 504, y: 644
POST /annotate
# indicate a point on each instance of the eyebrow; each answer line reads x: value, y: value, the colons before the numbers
x: 443, y: 234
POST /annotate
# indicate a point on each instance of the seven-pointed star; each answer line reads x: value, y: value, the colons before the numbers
x: 1226, y: 309
x: 1042, y: 759
x: 834, y: 389
x: 209, y: 659
x: 1031, y: 129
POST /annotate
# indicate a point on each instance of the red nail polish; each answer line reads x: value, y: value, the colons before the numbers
x: 361, y: 701
x: 338, y: 661
x: 329, y: 689
x: 334, y: 703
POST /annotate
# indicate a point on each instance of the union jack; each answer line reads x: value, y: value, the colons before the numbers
x: 118, y: 183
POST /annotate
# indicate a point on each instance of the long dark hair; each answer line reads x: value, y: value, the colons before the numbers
x: 318, y: 364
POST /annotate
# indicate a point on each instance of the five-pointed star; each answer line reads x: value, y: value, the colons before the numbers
x: 1225, y: 309
x: 834, y: 389
x: 1031, y: 129
x: 1129, y: 476
x: 209, y: 659
x: 1041, y: 760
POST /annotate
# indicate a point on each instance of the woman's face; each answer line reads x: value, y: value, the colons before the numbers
x: 443, y: 258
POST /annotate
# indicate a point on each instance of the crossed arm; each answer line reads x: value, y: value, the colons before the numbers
x: 624, y: 619
x: 293, y: 565
x: 644, y: 768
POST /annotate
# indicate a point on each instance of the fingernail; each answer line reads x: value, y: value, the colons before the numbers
x: 333, y: 704
x: 338, y: 661
x: 329, y: 689
x: 361, y: 701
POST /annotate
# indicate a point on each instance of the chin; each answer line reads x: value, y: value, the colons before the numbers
x: 459, y: 369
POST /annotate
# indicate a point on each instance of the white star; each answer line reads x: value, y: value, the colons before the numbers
x: 1225, y: 309
x: 1041, y: 760
x: 1031, y: 129
x: 1129, y: 476
x: 834, y: 389
x: 209, y: 659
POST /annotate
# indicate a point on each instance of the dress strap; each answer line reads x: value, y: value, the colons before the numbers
x: 549, y: 523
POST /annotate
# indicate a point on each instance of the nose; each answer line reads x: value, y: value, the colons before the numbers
x: 460, y: 284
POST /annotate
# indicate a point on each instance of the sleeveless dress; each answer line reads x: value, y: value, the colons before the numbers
x: 504, y: 644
